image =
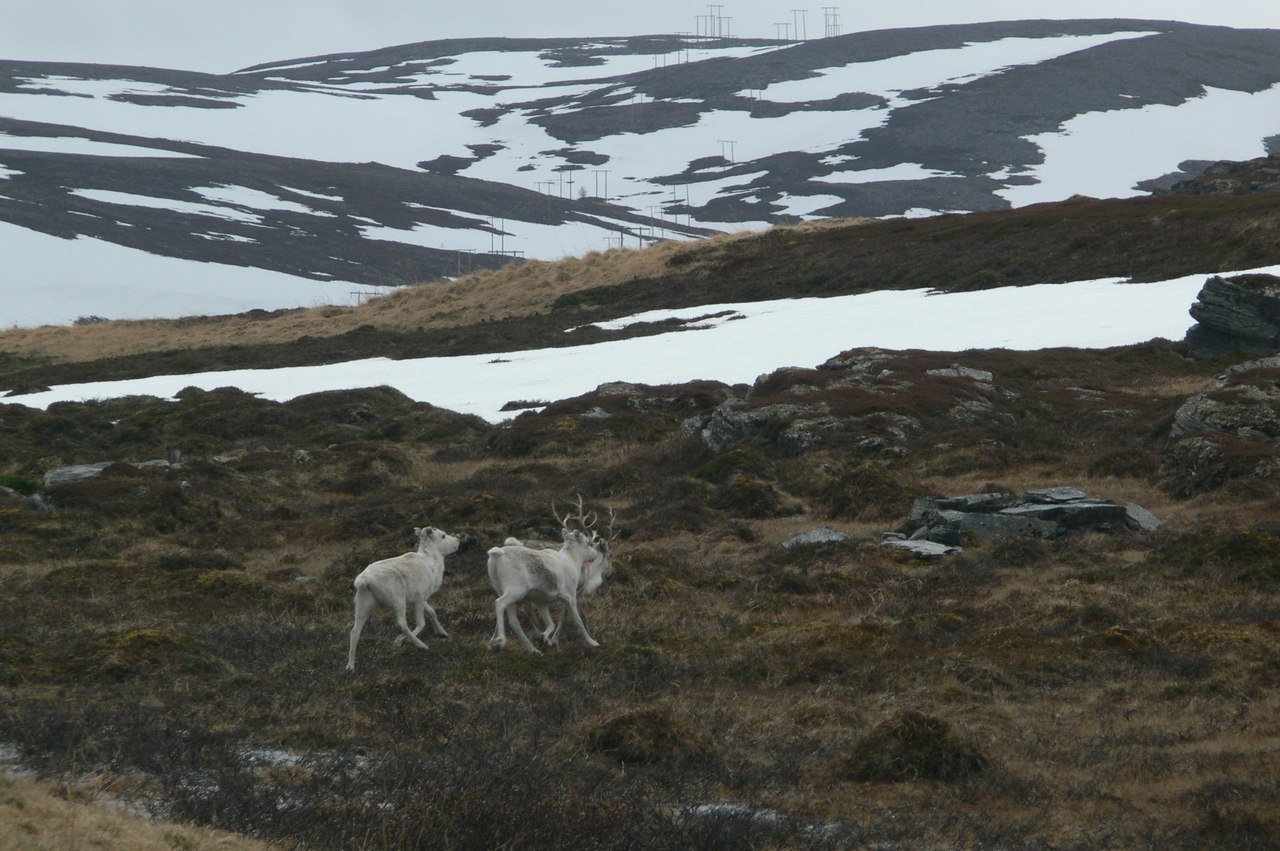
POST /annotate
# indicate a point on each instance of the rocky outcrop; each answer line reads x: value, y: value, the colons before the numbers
x: 1230, y: 432
x: 1231, y: 178
x: 794, y: 422
x: 1043, y: 513
x: 855, y: 400
x: 1240, y: 314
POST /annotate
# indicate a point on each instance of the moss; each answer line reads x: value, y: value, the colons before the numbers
x: 24, y: 485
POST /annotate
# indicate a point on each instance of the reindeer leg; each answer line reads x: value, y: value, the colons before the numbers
x: 572, y: 606
x: 435, y: 621
x: 514, y: 617
x: 419, y: 622
x: 412, y: 635
x: 365, y: 604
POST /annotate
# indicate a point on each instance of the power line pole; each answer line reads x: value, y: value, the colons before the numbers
x: 798, y: 18
x: 830, y: 21
x: 714, y: 19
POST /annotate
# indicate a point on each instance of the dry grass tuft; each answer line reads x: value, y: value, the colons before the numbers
x: 39, y: 815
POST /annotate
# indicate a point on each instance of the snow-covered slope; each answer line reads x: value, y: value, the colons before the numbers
x: 320, y: 179
x: 731, y: 342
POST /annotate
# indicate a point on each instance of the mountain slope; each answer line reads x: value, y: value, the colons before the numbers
x: 426, y: 160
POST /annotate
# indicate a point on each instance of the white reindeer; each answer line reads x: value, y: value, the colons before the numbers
x: 589, y: 581
x: 396, y: 583
x: 543, y: 577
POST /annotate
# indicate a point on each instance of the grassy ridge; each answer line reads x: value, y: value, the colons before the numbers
x: 530, y: 305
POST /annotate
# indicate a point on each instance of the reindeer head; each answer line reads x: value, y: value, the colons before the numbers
x: 604, y: 543
x: 430, y: 536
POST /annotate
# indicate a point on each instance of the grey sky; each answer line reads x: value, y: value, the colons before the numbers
x: 224, y: 35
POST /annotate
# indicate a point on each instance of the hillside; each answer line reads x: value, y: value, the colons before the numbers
x: 531, y: 305
x: 177, y: 623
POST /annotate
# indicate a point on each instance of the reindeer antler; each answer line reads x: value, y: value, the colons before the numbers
x: 581, y: 518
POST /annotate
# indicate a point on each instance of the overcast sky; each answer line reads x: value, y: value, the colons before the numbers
x: 225, y: 35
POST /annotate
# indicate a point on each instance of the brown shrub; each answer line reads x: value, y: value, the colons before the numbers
x: 648, y: 735
x: 866, y: 492
x: 911, y: 746
x: 747, y: 496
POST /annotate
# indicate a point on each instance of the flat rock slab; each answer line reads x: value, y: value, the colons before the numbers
x: 921, y: 549
x: 75, y: 472
x: 821, y: 535
x: 1001, y: 525
x: 1141, y: 519
x: 80, y: 472
x: 1059, y: 494
x: 1074, y: 515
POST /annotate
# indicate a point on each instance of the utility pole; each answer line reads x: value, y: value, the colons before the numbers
x: 830, y: 21
x: 682, y: 55
x: 544, y: 187
x: 605, y: 172
x: 798, y: 18
x: 727, y: 145
x: 714, y: 19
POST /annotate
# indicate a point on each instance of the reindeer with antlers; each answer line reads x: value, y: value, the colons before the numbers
x: 592, y: 576
x: 546, y: 576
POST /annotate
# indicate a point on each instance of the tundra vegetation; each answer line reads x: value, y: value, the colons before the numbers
x: 174, y: 635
